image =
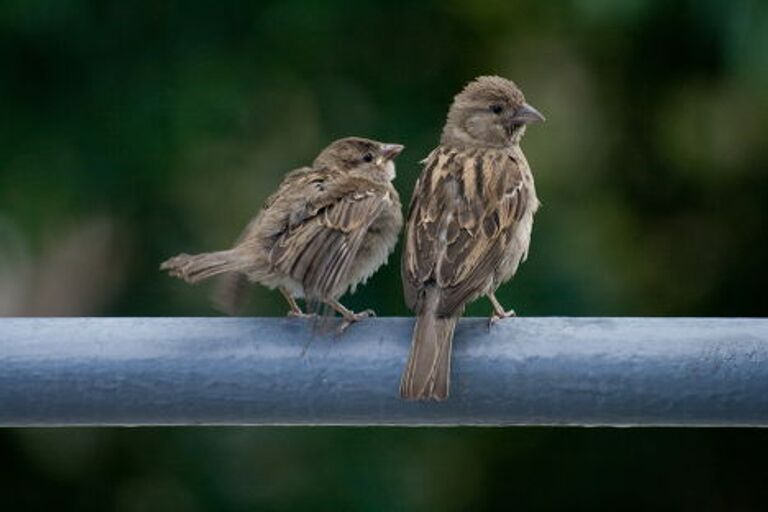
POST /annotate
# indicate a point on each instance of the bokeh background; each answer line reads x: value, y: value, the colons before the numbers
x: 132, y: 131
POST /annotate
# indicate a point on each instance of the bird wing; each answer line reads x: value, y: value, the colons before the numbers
x: 290, y: 180
x: 230, y: 293
x: 322, y: 238
x: 467, y: 206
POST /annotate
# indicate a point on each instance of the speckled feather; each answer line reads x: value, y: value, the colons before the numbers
x: 326, y: 229
x: 463, y: 228
x: 469, y: 223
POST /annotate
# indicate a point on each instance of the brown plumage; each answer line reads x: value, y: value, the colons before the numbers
x: 326, y: 229
x: 469, y: 224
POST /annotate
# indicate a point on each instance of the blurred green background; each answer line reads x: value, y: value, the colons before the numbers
x: 132, y: 131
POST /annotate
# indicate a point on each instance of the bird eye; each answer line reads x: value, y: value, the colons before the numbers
x: 368, y: 157
x: 497, y: 109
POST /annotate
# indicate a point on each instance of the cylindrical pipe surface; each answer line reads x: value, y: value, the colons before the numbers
x: 269, y: 371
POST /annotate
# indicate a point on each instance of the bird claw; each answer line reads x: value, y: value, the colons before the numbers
x: 495, y: 317
x: 355, y: 317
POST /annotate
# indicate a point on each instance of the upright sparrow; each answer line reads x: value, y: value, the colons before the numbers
x: 469, y: 224
x: 328, y: 228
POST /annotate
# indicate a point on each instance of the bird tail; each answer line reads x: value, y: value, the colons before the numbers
x: 196, y: 267
x: 428, y: 372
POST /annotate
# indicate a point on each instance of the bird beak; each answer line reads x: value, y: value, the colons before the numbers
x: 390, y: 151
x: 527, y: 115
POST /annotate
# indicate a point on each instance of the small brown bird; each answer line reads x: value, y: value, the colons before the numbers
x: 469, y: 224
x: 328, y: 228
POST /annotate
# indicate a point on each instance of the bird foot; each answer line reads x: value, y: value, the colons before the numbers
x: 496, y: 316
x: 354, y: 317
x: 300, y: 314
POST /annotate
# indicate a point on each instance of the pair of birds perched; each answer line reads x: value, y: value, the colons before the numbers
x: 330, y: 226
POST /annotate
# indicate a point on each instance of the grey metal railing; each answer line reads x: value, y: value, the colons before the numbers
x: 259, y: 371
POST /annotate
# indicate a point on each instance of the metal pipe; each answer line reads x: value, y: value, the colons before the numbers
x: 269, y: 371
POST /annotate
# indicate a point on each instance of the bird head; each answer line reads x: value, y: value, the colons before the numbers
x: 364, y: 157
x: 489, y: 112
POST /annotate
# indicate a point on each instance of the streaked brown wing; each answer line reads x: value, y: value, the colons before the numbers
x: 319, y: 250
x: 290, y: 180
x: 467, y: 207
x: 230, y: 293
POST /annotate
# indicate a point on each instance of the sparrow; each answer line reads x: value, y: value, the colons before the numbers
x: 469, y: 224
x: 326, y: 230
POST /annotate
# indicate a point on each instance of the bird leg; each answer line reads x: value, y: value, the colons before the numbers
x: 498, y: 310
x: 349, y: 316
x: 295, y: 311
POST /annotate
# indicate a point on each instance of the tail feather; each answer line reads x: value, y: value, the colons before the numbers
x: 195, y: 268
x: 428, y: 372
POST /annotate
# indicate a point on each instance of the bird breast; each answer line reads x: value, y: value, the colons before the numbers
x: 379, y: 242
